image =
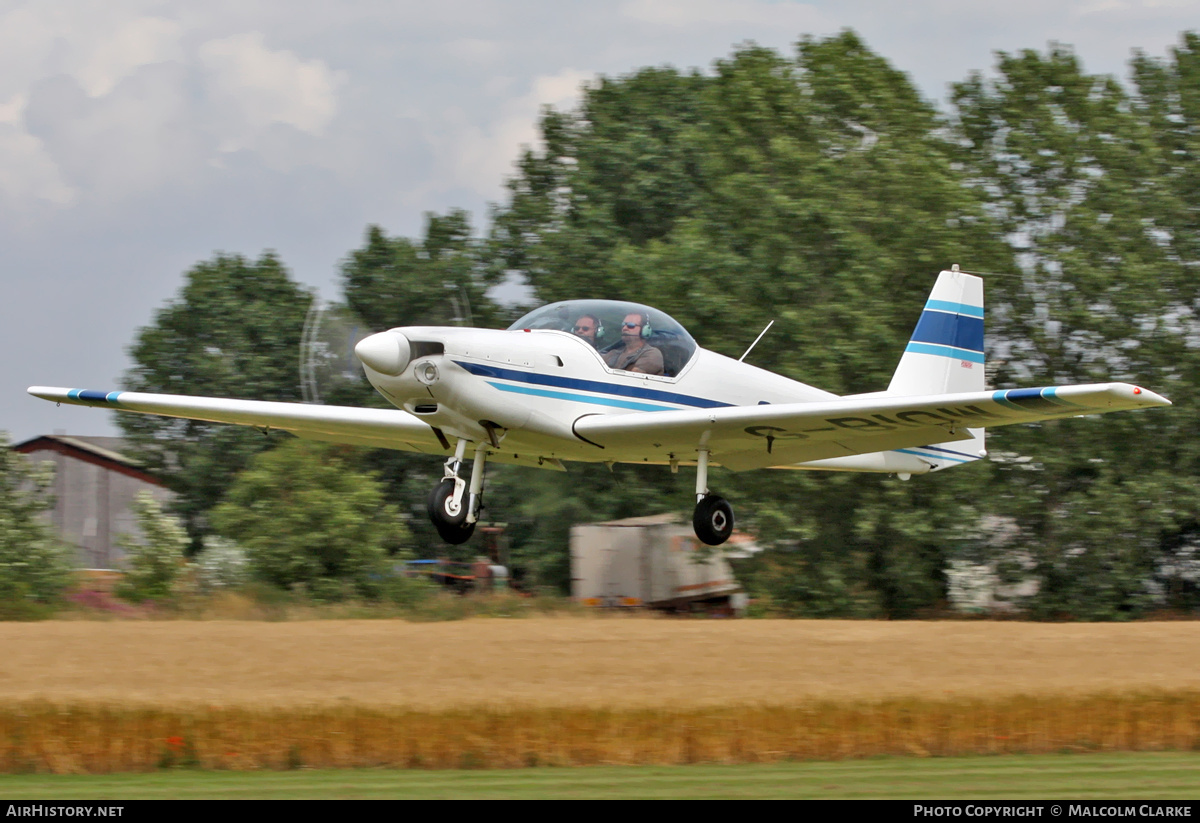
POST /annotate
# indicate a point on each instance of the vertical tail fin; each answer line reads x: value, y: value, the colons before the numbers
x: 945, y: 355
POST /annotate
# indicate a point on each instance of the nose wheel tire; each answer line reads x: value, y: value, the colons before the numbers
x: 713, y: 520
x: 449, y: 519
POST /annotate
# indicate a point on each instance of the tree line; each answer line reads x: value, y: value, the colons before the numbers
x: 819, y: 190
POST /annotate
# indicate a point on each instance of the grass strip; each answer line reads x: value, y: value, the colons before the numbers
x: 1124, y: 776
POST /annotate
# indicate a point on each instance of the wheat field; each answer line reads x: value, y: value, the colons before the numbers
x: 573, y: 661
x: 89, y: 696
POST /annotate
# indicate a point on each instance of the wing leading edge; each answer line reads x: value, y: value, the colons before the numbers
x: 383, y: 428
x: 750, y: 437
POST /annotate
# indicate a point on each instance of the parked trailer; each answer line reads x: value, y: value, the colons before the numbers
x: 654, y: 562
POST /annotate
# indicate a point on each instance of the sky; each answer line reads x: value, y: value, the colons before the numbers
x: 138, y: 137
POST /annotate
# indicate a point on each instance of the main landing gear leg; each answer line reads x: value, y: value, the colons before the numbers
x: 475, y: 491
x: 447, y: 508
x: 713, y: 518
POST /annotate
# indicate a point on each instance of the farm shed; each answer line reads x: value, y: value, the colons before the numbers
x: 654, y: 562
x: 94, y: 487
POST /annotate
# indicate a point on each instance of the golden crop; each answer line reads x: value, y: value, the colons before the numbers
x: 114, y: 696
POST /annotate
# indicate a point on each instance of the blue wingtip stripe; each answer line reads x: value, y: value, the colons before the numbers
x: 1001, y: 397
x: 1039, y: 400
x: 93, y: 396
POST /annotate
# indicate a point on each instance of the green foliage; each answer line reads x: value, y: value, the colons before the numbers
x: 234, y: 331
x: 154, y: 562
x: 221, y: 565
x: 308, y: 517
x: 1089, y: 184
x: 438, y: 281
x: 34, y: 567
x: 818, y: 191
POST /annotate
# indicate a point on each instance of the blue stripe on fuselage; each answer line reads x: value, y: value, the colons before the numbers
x: 591, y: 386
x: 580, y: 398
x: 925, y: 454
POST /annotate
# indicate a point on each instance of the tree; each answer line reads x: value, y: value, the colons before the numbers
x: 234, y: 331
x: 307, y: 516
x: 154, y: 562
x: 34, y: 567
x: 818, y: 191
x: 437, y: 281
x: 1168, y: 101
x: 1074, y: 174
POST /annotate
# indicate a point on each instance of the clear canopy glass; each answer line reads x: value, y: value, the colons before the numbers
x: 600, y: 323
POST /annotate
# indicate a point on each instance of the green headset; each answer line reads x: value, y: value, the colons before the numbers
x: 599, y: 325
x: 645, y: 318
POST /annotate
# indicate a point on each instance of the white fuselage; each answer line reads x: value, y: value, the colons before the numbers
x: 529, y: 388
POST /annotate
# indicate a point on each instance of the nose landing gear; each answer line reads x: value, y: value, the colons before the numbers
x: 452, y: 516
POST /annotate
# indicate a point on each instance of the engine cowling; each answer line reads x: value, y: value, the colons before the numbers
x: 387, y: 352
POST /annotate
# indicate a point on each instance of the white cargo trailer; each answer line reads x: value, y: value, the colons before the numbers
x: 653, y: 562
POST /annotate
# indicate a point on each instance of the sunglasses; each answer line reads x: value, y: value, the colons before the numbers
x: 583, y: 328
x: 631, y: 325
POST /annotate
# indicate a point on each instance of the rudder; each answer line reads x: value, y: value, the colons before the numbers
x: 945, y: 354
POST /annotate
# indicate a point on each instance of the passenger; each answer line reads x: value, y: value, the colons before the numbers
x: 587, y: 327
x: 635, y: 354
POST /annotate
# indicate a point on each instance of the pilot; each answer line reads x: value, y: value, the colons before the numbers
x: 586, y: 327
x: 635, y: 354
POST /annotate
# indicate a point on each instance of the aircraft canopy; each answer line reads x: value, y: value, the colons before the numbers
x: 660, y: 330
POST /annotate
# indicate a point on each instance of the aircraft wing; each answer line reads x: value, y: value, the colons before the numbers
x: 380, y: 428
x: 748, y: 437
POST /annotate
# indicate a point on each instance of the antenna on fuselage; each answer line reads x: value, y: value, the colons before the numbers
x: 462, y: 315
x: 755, y: 343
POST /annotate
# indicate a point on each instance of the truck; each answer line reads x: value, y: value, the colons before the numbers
x: 652, y: 562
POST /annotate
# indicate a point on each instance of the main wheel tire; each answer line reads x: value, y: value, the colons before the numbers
x: 449, y: 520
x: 713, y: 520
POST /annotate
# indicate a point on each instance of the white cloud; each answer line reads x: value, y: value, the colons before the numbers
x: 27, y: 171
x: 132, y: 44
x: 693, y: 13
x: 265, y: 87
x: 11, y: 111
x: 140, y: 136
x: 481, y: 157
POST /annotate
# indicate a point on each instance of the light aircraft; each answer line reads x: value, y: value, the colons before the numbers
x: 540, y: 394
